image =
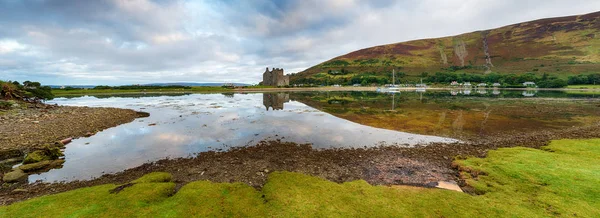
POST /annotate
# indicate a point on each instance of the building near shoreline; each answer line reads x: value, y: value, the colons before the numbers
x: 275, y: 77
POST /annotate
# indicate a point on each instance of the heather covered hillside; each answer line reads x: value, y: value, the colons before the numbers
x: 559, y: 47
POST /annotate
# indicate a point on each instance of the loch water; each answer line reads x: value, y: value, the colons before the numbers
x: 185, y: 124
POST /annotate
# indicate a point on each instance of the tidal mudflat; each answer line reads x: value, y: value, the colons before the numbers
x: 182, y: 126
x: 185, y: 125
x: 403, y: 138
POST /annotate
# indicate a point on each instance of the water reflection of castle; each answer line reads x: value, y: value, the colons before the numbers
x: 275, y: 100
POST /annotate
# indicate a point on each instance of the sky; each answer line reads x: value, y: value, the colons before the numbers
x: 117, y: 42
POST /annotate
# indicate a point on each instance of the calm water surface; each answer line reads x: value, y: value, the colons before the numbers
x: 181, y: 126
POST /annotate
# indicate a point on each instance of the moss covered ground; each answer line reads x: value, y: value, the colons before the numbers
x: 559, y: 180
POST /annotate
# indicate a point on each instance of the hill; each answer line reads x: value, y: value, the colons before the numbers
x: 558, y: 47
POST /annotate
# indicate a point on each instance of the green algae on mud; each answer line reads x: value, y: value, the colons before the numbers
x: 559, y: 180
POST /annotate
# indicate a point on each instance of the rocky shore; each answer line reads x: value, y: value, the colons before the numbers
x: 420, y: 166
x: 34, y: 134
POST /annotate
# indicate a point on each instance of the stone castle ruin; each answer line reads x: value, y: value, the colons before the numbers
x: 275, y: 77
x: 275, y: 100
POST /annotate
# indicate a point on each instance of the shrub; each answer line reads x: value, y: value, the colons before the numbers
x: 28, y: 91
x: 10, y: 91
x: 553, y: 83
x: 4, y: 105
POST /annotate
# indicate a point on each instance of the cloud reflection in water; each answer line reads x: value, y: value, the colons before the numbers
x: 189, y: 124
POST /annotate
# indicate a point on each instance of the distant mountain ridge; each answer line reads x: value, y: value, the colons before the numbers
x: 157, y: 84
x: 194, y: 84
x: 557, y: 46
x: 74, y: 86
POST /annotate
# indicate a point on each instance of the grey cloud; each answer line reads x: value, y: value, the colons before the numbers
x: 133, y: 41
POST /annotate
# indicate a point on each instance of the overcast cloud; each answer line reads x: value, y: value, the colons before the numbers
x: 141, y: 41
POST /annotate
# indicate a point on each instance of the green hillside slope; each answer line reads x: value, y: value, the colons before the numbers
x: 560, y: 47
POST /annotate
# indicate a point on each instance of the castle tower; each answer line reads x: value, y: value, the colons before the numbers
x: 275, y: 77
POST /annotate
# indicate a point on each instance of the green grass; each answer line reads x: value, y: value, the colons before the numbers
x: 560, y: 180
x: 583, y: 87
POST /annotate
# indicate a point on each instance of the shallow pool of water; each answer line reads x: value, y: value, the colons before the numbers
x: 183, y: 125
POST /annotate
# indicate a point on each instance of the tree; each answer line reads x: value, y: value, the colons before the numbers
x: 28, y: 84
x: 553, y: 83
x: 40, y: 93
x: 594, y: 79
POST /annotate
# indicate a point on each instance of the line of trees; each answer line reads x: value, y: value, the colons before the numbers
x: 584, y: 79
x: 506, y: 80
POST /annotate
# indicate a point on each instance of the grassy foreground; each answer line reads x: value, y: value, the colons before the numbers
x: 560, y: 180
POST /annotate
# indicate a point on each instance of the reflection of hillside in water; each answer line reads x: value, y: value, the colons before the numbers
x: 275, y: 100
x: 444, y: 114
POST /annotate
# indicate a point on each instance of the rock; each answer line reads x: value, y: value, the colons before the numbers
x: 88, y: 134
x: 57, y: 163
x: 35, y: 157
x: 59, y: 144
x: 36, y: 122
x: 11, y: 161
x: 15, y: 176
x: 449, y: 186
x: 266, y: 171
x: 142, y: 114
x: 66, y: 141
x: 48, y: 153
x: 19, y: 190
x: 35, y: 166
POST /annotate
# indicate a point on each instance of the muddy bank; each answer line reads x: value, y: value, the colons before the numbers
x: 421, y: 166
x: 30, y: 126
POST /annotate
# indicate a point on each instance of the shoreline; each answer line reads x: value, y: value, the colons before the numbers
x: 33, y: 136
x: 296, y: 89
x: 421, y: 166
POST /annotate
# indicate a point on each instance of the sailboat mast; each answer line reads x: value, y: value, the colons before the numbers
x: 394, y: 77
